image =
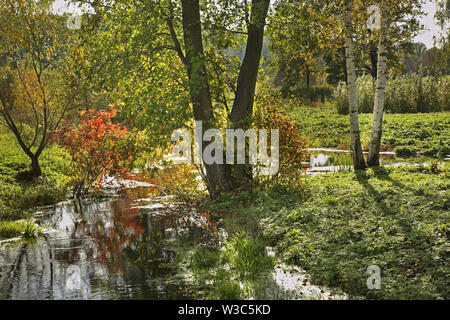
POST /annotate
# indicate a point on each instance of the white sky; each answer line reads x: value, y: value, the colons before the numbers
x: 426, y: 37
x: 431, y: 28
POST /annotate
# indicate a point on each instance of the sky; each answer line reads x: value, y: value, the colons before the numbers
x: 431, y: 28
x: 426, y: 36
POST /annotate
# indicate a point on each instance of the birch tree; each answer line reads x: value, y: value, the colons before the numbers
x: 380, y: 88
x: 355, y: 139
x: 390, y: 11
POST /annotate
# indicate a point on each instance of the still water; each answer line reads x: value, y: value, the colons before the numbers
x: 115, y: 249
x: 329, y: 160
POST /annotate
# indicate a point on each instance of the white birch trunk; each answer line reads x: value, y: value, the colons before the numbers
x: 358, y: 158
x: 380, y: 88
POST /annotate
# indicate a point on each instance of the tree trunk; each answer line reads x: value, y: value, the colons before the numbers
x: 358, y: 158
x: 374, y: 62
x: 199, y: 89
x: 378, y: 109
x: 218, y: 176
x: 246, y: 86
x: 308, y: 79
x: 35, y: 167
x: 248, y: 74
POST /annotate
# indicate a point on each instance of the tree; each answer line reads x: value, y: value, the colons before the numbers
x: 380, y: 87
x: 302, y: 33
x: 32, y: 95
x: 355, y: 140
x: 141, y: 42
x: 390, y: 11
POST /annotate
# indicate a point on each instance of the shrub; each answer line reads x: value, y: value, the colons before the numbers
x: 25, y: 228
x: 292, y: 147
x: 98, y: 149
x: 181, y: 181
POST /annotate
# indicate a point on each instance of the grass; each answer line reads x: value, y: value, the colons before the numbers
x: 396, y: 218
x: 20, y: 228
x: 233, y: 271
x: 408, y: 134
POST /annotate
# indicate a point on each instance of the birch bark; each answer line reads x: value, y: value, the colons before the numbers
x: 358, y: 158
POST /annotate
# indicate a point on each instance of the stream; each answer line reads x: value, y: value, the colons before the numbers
x: 115, y: 249
x: 127, y: 247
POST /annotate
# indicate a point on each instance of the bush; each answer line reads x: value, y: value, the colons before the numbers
x: 292, y: 146
x: 98, y: 148
x: 410, y: 94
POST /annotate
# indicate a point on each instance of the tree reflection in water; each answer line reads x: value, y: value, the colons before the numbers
x: 122, y: 248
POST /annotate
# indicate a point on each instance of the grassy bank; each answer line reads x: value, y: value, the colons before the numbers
x: 396, y: 218
x: 407, y: 134
x: 17, y: 196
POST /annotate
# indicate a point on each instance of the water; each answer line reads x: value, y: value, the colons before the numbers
x: 329, y: 160
x: 116, y: 249
x: 133, y: 247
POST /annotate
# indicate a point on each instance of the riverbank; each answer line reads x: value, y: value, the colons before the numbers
x: 406, y: 134
x: 342, y: 223
x: 17, y: 196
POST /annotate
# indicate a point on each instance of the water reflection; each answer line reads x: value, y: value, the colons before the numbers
x: 114, y: 249
x: 327, y: 160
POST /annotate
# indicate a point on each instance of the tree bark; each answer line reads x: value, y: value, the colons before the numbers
x: 246, y: 85
x: 374, y: 62
x: 248, y: 74
x: 358, y: 158
x: 35, y: 167
x: 378, y: 109
x: 199, y: 89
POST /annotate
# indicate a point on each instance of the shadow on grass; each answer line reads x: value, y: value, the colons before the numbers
x: 363, y: 180
x: 382, y: 174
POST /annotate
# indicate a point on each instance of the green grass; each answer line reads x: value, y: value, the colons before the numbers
x: 20, y: 228
x: 407, y: 134
x: 395, y: 218
x: 233, y: 271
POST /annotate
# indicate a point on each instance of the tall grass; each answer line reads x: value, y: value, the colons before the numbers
x: 410, y: 94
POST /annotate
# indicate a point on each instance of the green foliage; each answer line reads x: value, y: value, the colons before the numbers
x: 410, y: 94
x: 204, y: 259
x: 15, y: 196
x: 234, y: 271
x: 228, y: 290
